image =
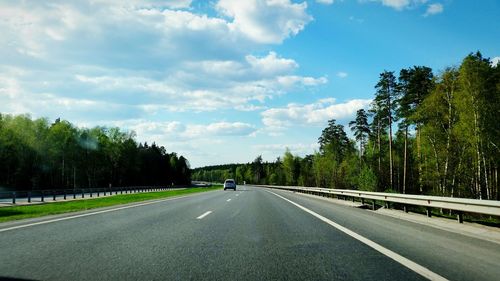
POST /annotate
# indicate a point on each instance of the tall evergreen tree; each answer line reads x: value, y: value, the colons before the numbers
x: 384, y: 102
x: 415, y: 85
x: 333, y: 138
x: 361, y: 130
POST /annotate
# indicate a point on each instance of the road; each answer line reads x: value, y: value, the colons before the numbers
x: 249, y: 234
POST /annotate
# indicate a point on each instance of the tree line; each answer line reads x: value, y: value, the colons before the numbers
x: 37, y: 154
x: 423, y: 133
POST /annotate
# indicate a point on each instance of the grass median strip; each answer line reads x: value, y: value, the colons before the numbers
x: 39, y: 210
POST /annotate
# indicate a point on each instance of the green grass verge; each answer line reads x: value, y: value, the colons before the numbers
x: 39, y: 210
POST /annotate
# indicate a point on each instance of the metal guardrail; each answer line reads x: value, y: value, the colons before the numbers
x: 461, y: 205
x: 63, y: 194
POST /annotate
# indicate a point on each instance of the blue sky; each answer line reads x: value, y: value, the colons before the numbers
x: 225, y: 81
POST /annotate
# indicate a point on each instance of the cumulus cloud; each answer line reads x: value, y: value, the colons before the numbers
x: 495, y: 61
x: 220, y: 129
x: 202, y: 144
x: 401, y: 4
x: 175, y: 130
x: 265, y: 21
x: 434, y: 9
x: 152, y: 56
x: 326, y: 2
x: 311, y: 114
x: 271, y: 64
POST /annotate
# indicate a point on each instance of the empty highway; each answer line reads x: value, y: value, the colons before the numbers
x: 248, y: 234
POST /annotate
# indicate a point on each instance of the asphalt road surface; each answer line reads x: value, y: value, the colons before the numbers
x: 248, y: 234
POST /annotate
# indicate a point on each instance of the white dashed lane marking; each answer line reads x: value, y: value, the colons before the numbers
x: 204, y: 215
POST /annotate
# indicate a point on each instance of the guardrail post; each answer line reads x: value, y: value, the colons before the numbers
x: 83, y: 193
x: 14, y: 197
x: 387, y: 205
x: 29, y: 197
x: 362, y: 201
x: 91, y: 192
x: 405, y: 208
x: 460, y: 217
x: 42, y: 199
x: 65, y: 194
x: 373, y: 205
x: 98, y: 192
x: 54, y: 195
x: 74, y: 193
x: 428, y: 212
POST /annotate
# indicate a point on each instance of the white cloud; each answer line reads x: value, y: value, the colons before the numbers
x: 396, y: 4
x: 152, y: 55
x: 400, y: 4
x: 311, y: 114
x: 219, y: 129
x: 295, y: 148
x: 434, y: 9
x: 175, y: 130
x: 495, y: 61
x: 326, y: 2
x: 202, y: 91
x: 159, y: 4
x: 292, y: 80
x: 265, y: 21
x: 271, y: 64
x: 342, y: 74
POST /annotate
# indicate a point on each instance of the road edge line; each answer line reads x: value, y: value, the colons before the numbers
x: 415, y: 267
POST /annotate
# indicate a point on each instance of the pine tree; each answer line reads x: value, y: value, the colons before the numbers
x: 384, y: 102
x: 361, y: 130
x: 415, y: 85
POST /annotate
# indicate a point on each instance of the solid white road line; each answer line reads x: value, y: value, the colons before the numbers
x: 204, y: 215
x: 228, y: 200
x: 398, y: 258
x: 91, y: 214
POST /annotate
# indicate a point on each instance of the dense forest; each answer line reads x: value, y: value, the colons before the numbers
x: 424, y: 133
x: 37, y: 154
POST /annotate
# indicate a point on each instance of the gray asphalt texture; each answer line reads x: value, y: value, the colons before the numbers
x: 254, y: 236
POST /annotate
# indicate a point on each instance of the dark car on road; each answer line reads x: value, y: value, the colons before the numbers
x: 230, y: 184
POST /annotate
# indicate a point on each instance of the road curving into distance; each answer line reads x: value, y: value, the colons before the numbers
x: 249, y: 234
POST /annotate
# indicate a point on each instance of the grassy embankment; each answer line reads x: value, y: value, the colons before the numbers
x: 39, y: 210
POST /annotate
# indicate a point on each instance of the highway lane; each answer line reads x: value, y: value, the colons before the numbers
x: 452, y: 255
x: 244, y: 235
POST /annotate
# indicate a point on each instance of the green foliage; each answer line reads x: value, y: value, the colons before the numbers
x: 37, y: 155
x: 448, y: 142
x: 367, y: 179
